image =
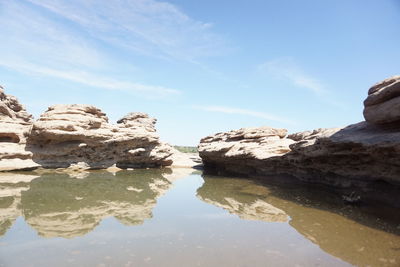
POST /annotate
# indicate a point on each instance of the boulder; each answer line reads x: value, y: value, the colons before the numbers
x: 185, y: 160
x: 138, y: 120
x: 356, y: 155
x: 244, y: 151
x: 258, y: 143
x: 363, y: 155
x: 80, y: 135
x: 15, y: 125
x: 382, y: 105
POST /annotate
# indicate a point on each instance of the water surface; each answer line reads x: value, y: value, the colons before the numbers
x: 180, y: 218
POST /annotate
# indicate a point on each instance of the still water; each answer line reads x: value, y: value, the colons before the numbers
x: 181, y: 218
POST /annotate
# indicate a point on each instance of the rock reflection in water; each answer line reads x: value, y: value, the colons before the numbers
x: 56, y: 205
x: 11, y: 187
x: 244, y: 200
x: 360, y: 236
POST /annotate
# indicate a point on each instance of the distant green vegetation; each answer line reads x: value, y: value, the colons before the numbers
x: 187, y: 149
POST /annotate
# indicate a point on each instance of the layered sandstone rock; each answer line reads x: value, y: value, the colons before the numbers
x: 382, y: 105
x: 357, y: 154
x: 185, y: 160
x: 138, y: 120
x: 360, y: 155
x: 15, y: 125
x: 241, y: 151
x: 80, y: 135
x: 354, y: 155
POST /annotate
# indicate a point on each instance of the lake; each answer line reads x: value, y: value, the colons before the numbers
x: 184, y: 218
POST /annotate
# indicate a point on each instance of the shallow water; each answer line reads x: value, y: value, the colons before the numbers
x: 178, y: 218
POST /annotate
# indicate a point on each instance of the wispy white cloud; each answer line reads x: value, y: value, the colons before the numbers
x: 43, y: 46
x: 240, y: 111
x: 92, y: 80
x: 287, y: 69
x: 146, y: 26
x: 32, y: 37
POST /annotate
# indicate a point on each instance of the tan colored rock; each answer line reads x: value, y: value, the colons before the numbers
x: 11, y: 110
x: 138, y: 120
x: 363, y: 155
x: 185, y: 160
x: 260, y: 143
x: 15, y: 125
x: 236, y: 151
x: 359, y: 155
x: 80, y: 136
x: 382, y: 105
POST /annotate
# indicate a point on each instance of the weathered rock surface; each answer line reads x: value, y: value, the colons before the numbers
x: 15, y: 125
x: 237, y: 151
x: 244, y: 151
x: 81, y: 137
x: 383, y: 102
x: 138, y: 120
x: 357, y: 154
x: 360, y: 155
x: 185, y: 160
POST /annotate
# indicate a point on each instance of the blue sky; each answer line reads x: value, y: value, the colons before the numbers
x: 203, y: 66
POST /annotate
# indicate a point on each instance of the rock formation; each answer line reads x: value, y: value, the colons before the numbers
x: 80, y: 136
x: 382, y: 105
x: 15, y: 125
x: 243, y: 151
x: 357, y: 154
x: 360, y: 155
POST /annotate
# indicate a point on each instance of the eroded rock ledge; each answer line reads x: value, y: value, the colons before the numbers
x: 359, y: 155
x: 80, y: 136
x: 15, y: 125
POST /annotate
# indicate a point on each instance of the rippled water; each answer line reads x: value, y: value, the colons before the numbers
x: 178, y: 218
